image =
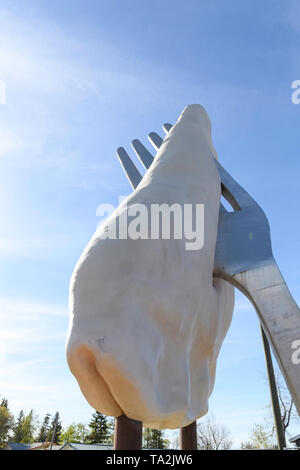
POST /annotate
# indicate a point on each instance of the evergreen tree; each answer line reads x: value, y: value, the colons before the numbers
x: 111, y: 430
x: 55, y: 429
x: 6, y: 423
x: 24, y: 428
x: 18, y: 429
x: 100, y: 429
x: 4, y: 403
x: 28, y: 428
x: 44, y: 429
x: 154, y: 439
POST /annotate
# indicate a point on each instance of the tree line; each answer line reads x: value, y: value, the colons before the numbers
x: 26, y: 428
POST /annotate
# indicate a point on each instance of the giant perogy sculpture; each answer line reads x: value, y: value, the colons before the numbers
x: 147, y: 317
x: 150, y: 304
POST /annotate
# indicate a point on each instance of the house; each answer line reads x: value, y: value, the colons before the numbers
x: 47, y: 445
x: 296, y: 441
x: 34, y: 446
x: 74, y: 446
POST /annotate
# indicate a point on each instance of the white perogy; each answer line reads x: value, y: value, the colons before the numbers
x: 147, y: 318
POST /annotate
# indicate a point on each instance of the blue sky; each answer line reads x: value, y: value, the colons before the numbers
x: 85, y: 77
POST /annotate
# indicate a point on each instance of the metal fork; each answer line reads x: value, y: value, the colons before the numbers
x: 243, y: 257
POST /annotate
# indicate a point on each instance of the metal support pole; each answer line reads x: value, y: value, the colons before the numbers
x: 188, y: 437
x: 274, y: 395
x: 128, y: 434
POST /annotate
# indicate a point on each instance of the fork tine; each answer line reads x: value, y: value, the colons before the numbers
x: 155, y: 140
x: 167, y: 127
x: 129, y: 167
x: 143, y: 154
x: 233, y: 192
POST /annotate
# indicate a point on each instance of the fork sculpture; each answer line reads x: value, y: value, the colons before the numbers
x: 243, y: 257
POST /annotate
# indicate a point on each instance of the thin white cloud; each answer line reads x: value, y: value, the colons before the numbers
x: 9, y: 142
x: 38, y: 56
x: 41, y: 59
x: 24, y: 308
x: 45, y: 70
x: 28, y: 328
x: 37, y: 247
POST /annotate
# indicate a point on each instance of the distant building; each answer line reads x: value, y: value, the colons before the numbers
x: 296, y: 440
x: 66, y: 446
x: 34, y: 446
x: 74, y: 446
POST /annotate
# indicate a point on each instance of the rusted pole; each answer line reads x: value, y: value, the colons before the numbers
x: 128, y: 434
x: 274, y: 394
x: 188, y: 437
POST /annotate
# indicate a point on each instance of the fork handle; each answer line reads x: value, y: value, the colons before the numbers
x: 280, y: 318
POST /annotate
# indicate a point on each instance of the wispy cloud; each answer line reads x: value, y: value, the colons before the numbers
x: 28, y: 308
x: 37, y: 247
x: 10, y: 142
x: 24, y: 332
x: 40, y: 57
x: 42, y: 60
x: 32, y: 340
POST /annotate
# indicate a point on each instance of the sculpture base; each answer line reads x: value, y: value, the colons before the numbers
x: 188, y: 437
x: 128, y: 434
